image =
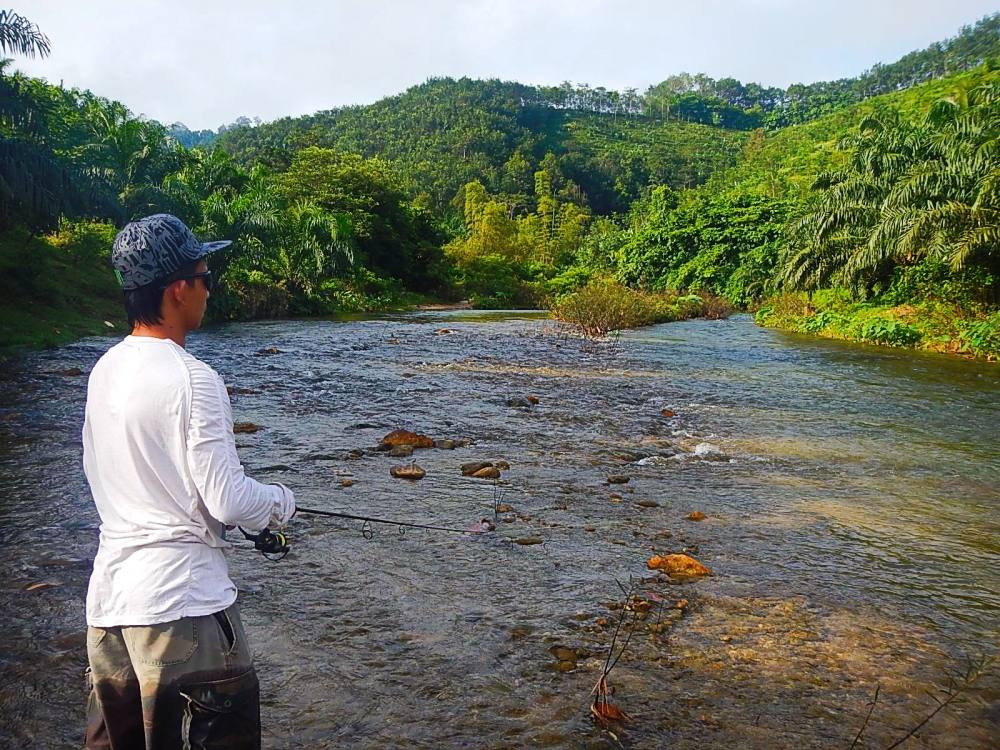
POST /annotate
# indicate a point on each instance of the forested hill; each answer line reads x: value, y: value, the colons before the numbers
x: 610, y: 145
x: 446, y: 132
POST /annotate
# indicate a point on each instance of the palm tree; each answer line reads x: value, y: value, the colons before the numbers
x: 948, y: 207
x: 833, y: 244
x: 317, y: 244
x: 20, y: 36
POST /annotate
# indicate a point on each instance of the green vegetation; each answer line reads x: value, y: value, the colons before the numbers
x: 63, y: 292
x: 604, y: 305
x: 865, y: 208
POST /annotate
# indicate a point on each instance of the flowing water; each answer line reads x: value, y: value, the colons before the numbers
x: 851, y: 496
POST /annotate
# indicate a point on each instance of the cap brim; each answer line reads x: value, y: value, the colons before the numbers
x: 207, y: 248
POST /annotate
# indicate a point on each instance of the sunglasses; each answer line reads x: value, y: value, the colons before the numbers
x: 205, y: 276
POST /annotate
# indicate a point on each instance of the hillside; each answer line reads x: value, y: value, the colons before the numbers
x: 446, y: 132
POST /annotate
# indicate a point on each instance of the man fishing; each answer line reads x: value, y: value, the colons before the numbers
x: 169, y: 661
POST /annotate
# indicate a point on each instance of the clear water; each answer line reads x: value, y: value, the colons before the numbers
x: 851, y: 495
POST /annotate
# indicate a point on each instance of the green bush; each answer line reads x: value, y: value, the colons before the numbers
x: 887, y: 332
x: 604, y: 305
x: 496, y: 282
x: 982, y: 337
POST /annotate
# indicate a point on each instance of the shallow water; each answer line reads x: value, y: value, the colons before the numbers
x: 851, y: 496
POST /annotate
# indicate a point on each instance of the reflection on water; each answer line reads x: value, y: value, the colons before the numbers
x: 852, y: 524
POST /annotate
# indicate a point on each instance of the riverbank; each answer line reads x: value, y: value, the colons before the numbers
x: 927, y: 325
x: 67, y: 291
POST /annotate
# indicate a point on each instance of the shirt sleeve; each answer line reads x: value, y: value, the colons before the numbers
x: 229, y: 495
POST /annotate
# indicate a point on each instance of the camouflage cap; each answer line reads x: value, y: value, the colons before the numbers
x: 154, y: 247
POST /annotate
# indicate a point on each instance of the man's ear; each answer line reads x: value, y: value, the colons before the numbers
x: 172, y: 294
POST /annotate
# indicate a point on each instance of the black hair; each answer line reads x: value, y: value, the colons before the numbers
x: 145, y: 304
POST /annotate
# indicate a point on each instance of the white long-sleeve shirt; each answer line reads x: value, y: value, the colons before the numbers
x: 160, y: 457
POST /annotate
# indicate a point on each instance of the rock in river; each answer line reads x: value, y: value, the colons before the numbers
x: 473, y: 466
x: 401, y: 451
x: 678, y: 565
x: 245, y: 427
x: 527, y: 541
x: 696, y: 516
x: 405, y: 437
x: 487, y: 472
x: 408, y: 472
x: 618, y: 479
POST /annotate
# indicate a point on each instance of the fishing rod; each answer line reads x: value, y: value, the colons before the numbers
x: 274, y: 545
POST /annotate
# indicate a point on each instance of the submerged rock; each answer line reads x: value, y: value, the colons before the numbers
x: 502, y: 465
x: 72, y: 372
x: 269, y: 350
x: 470, y: 468
x: 401, y: 451
x: 619, y: 479
x: 528, y: 541
x: 408, y: 472
x: 520, y: 402
x: 648, y: 504
x: 405, y: 437
x: 678, y: 565
x: 696, y: 515
x: 245, y: 428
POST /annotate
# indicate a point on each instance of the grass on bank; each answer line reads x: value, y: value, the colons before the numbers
x: 930, y: 325
x: 57, y: 288
x: 604, y: 305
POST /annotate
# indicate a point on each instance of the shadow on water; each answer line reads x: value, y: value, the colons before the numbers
x: 852, y: 508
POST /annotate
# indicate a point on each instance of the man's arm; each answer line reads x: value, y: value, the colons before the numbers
x: 228, y: 493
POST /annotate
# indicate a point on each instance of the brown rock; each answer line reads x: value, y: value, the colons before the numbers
x: 668, y: 413
x: 564, y: 666
x: 527, y: 541
x: 589, y: 529
x: 648, y: 504
x: 618, y: 479
x: 502, y: 465
x: 532, y: 399
x: 487, y: 472
x: 448, y: 445
x: 240, y: 428
x: 72, y: 372
x: 678, y: 565
x: 443, y: 331
x: 269, y: 350
x: 405, y: 437
x: 473, y: 466
x: 505, y: 508
x: 562, y: 653
x: 615, y: 498
x: 346, y: 482
x: 696, y: 516
x: 401, y: 451
x: 408, y: 472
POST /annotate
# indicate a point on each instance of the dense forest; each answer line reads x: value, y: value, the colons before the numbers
x: 865, y: 208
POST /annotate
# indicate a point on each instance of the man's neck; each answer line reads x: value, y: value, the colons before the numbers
x: 161, y: 331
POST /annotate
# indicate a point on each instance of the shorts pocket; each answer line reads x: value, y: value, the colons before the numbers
x: 222, y: 714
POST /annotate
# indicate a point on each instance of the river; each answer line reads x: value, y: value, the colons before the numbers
x: 852, y: 524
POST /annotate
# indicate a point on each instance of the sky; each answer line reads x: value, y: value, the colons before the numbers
x: 207, y: 62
